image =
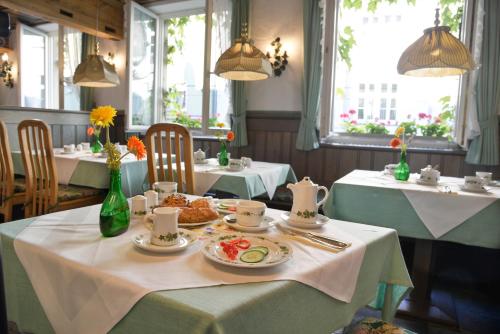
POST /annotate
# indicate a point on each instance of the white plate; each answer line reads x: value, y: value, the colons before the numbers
x: 425, y: 183
x: 267, y: 223
x: 229, y: 169
x: 149, y: 222
x: 279, y: 252
x: 187, y: 238
x: 320, y: 221
x: 483, y: 190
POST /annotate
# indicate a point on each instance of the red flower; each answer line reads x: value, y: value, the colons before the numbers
x: 395, y: 142
x: 344, y: 115
x: 352, y: 111
x: 354, y: 122
x: 90, y: 131
x: 422, y: 115
x: 230, y: 136
x: 136, y: 147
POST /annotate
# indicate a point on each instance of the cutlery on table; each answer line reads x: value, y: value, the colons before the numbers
x: 319, y: 239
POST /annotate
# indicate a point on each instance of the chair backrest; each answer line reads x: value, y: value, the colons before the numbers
x: 35, y: 141
x: 159, y: 140
x: 6, y: 167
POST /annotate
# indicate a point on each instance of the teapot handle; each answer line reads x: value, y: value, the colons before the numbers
x: 324, y: 198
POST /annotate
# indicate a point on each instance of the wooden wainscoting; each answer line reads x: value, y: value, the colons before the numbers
x: 272, y: 137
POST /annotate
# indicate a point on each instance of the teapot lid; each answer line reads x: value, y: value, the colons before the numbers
x: 306, y: 182
x: 428, y: 168
x: 199, y: 150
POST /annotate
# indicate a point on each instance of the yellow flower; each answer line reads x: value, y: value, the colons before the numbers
x: 103, y: 116
x: 220, y: 124
x: 399, y: 131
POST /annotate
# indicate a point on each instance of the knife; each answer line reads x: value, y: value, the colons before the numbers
x: 327, y: 242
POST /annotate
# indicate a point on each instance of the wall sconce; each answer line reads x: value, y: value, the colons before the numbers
x: 6, y: 71
x: 280, y: 58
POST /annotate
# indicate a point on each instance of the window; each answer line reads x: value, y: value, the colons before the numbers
x: 39, y: 67
x: 383, y: 98
x: 170, y: 55
x: 33, y: 49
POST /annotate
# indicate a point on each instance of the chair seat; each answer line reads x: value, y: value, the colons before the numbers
x: 375, y: 326
x: 70, y: 192
x: 19, y: 185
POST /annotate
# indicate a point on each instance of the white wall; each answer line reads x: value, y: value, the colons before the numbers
x: 268, y: 20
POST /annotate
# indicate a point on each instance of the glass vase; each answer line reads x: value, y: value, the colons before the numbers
x: 114, y: 218
x: 402, y: 171
x: 222, y: 156
x: 96, y: 145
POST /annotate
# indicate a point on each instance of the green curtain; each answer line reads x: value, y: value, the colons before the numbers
x: 483, y: 149
x: 307, y: 138
x: 241, y: 9
x: 87, y: 93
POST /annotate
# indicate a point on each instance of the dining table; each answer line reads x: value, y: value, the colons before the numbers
x: 61, y: 275
x: 260, y: 178
x: 83, y: 168
x: 426, y: 213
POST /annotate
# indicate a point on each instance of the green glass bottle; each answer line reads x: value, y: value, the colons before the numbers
x: 114, y: 218
x: 402, y: 171
x: 96, y: 145
x: 222, y: 156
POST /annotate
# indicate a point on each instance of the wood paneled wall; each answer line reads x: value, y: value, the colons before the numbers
x: 272, y: 137
x: 68, y: 127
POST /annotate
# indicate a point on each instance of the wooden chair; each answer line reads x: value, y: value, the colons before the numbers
x: 43, y: 193
x: 11, y: 192
x: 158, y: 141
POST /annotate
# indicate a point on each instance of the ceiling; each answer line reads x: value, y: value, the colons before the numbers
x: 24, y: 18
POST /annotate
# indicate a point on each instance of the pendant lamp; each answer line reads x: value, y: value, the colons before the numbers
x: 243, y: 61
x: 95, y: 71
x: 436, y: 54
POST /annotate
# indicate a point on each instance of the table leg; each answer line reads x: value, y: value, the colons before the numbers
x: 419, y: 304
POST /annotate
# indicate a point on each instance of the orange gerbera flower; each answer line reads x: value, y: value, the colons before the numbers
x: 136, y: 147
x: 230, y: 136
x: 395, y: 142
x: 90, y: 131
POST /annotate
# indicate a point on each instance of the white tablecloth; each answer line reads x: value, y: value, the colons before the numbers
x: 439, y: 211
x: 87, y: 283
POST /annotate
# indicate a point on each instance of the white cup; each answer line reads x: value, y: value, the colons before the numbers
x: 69, y: 148
x: 486, y: 177
x: 139, y: 206
x: 164, y: 188
x: 151, y: 199
x: 86, y: 146
x: 389, y: 169
x: 250, y: 213
x: 473, y: 183
x: 165, y: 232
x: 79, y: 147
x: 247, y: 162
x: 236, y: 164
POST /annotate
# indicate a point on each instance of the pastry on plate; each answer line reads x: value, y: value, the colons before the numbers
x: 175, y: 200
x: 197, y: 215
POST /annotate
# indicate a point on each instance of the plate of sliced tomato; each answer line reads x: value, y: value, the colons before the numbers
x: 246, y: 251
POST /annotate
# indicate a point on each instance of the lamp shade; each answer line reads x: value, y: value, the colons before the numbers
x: 95, y: 72
x: 243, y: 62
x: 437, y: 53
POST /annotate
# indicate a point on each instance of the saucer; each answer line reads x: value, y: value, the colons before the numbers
x: 425, y: 183
x: 187, y: 238
x: 148, y: 221
x: 204, y: 162
x: 266, y: 223
x: 229, y: 169
x: 483, y: 190
x: 320, y: 221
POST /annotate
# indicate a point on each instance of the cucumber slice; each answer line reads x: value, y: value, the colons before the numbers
x: 252, y: 256
x: 262, y: 249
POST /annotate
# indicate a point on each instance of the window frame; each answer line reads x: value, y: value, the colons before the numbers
x: 207, y: 9
x: 331, y: 14
x: 21, y: 28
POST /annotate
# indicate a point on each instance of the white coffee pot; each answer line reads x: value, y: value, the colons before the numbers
x: 305, y: 194
x: 199, y: 156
